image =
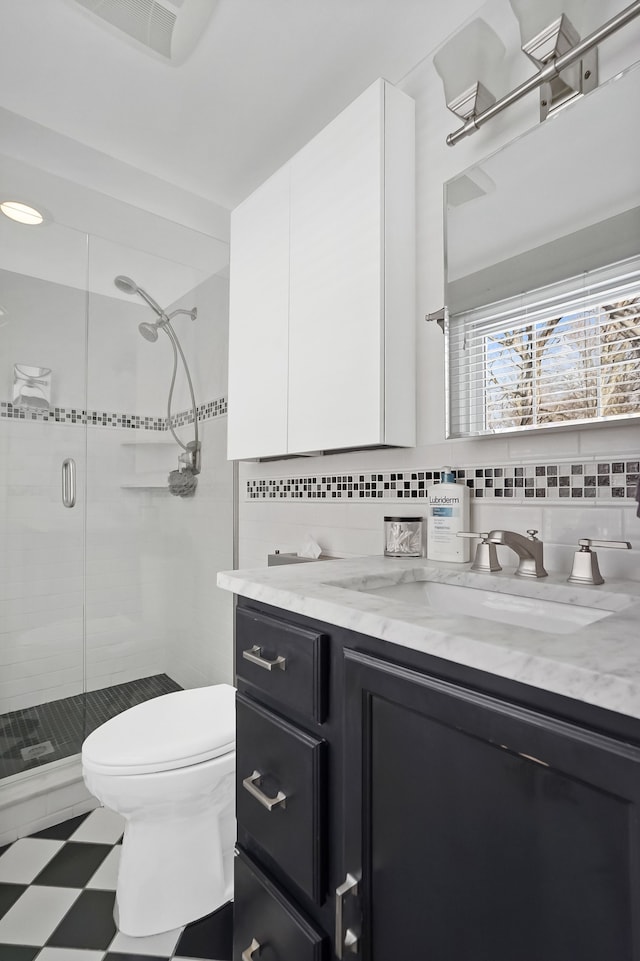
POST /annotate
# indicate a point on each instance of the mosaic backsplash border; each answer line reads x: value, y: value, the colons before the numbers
x: 594, y: 480
x: 99, y: 418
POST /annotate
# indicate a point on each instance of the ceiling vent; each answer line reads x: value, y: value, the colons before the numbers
x: 171, y: 28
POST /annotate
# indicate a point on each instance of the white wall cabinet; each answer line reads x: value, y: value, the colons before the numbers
x: 322, y: 312
x: 258, y: 336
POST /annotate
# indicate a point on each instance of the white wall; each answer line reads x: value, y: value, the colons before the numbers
x: 356, y: 528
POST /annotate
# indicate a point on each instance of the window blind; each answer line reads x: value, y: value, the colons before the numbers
x: 568, y: 353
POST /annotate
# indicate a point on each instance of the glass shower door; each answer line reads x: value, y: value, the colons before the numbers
x: 43, y: 323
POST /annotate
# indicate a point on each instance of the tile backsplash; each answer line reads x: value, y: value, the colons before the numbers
x: 565, y: 499
x: 603, y: 481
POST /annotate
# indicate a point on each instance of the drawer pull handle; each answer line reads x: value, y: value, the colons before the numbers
x: 248, y: 953
x: 250, y: 784
x: 254, y: 654
x: 345, y: 940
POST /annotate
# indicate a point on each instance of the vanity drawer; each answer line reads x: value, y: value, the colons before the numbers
x: 280, y: 793
x: 283, y: 660
x: 266, y: 926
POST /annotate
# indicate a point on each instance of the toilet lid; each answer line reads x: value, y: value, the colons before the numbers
x: 165, y: 733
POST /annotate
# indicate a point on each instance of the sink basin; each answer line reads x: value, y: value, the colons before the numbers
x: 535, y: 613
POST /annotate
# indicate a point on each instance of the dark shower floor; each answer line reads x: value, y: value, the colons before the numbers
x: 47, y: 732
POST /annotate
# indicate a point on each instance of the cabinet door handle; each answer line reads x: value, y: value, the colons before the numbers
x: 248, y: 953
x: 69, y: 482
x: 349, y: 939
x: 250, y: 785
x: 254, y: 654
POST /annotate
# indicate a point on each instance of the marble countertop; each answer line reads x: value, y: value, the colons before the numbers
x: 598, y: 663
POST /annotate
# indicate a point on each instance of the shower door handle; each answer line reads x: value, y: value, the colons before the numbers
x: 69, y: 482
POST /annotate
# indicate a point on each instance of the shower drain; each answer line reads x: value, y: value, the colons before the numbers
x: 37, y: 750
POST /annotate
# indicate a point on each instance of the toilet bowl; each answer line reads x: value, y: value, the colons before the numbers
x: 168, y: 767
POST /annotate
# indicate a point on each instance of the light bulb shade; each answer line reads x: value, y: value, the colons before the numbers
x: 552, y: 41
x: 473, y: 55
x: 534, y: 16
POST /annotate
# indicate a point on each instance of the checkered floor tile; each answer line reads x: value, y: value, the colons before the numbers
x: 57, y: 890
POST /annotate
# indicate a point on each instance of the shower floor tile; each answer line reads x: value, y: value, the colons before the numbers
x: 47, y: 919
x: 48, y: 732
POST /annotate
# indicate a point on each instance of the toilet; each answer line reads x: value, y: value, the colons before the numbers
x: 168, y: 767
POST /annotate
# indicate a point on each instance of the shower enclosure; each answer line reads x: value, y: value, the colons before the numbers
x: 107, y: 582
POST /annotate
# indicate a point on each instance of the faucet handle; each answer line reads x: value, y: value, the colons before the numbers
x: 588, y: 542
x: 486, y: 558
x: 585, y: 568
x: 532, y: 535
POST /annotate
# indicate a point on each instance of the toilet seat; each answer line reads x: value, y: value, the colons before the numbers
x: 163, y: 735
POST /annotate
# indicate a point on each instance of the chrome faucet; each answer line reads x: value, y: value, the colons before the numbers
x: 528, y: 549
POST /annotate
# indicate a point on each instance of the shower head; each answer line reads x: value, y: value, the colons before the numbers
x: 129, y: 286
x: 149, y: 332
x: 126, y: 284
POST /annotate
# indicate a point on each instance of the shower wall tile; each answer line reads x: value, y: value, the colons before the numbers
x: 198, y: 615
x: 42, y: 568
x: 134, y: 624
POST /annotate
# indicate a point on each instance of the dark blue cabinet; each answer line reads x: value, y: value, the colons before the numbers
x: 438, y: 813
x: 484, y: 830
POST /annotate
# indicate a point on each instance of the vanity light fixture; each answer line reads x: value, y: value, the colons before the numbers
x: 567, y: 65
x: 21, y: 213
x: 545, y: 41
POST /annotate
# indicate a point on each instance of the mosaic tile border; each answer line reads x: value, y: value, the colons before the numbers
x: 576, y: 482
x: 213, y: 408
x: 99, y: 418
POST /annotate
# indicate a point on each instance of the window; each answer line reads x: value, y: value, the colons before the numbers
x: 564, y: 354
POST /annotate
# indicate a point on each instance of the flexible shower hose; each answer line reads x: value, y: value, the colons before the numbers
x: 175, y: 343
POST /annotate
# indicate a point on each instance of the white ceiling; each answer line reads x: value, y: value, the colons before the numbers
x: 264, y: 78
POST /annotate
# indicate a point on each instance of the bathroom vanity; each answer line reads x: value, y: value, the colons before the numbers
x: 428, y: 774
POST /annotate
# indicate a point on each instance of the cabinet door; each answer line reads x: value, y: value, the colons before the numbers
x: 335, y: 334
x: 483, y: 830
x: 259, y: 321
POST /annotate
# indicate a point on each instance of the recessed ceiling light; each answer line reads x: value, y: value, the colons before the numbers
x: 22, y: 213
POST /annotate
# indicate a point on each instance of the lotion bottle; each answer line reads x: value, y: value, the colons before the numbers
x: 448, y: 514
